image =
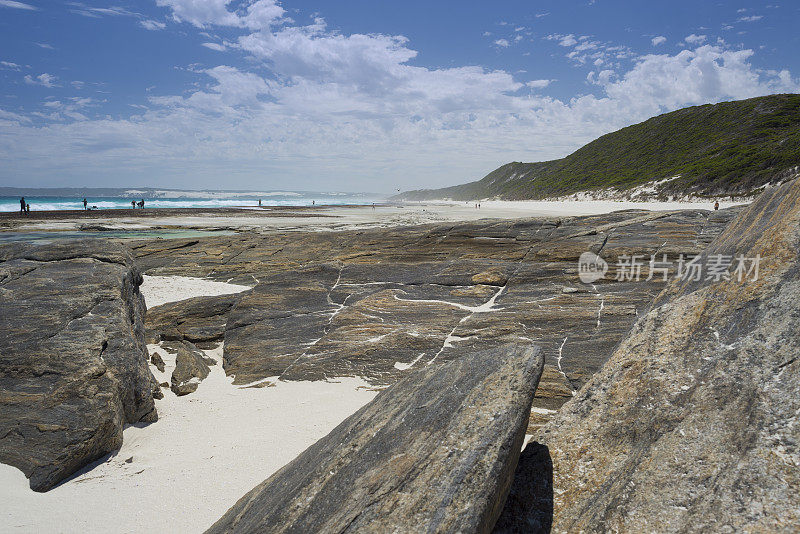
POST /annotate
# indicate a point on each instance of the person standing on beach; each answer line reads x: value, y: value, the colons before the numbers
x: 84, y: 205
x: 133, y: 204
x: 22, y: 205
x: 27, y: 208
x: 716, y: 206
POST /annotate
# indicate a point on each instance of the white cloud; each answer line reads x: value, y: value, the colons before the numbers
x: 44, y: 79
x: 9, y: 65
x: 45, y: 46
x: 203, y: 13
x: 152, y: 25
x: 214, y: 46
x: 502, y: 43
x: 564, y: 40
x: 79, y: 8
x: 322, y: 106
x: 17, y: 5
x: 13, y: 117
x: 695, y: 39
x: 707, y: 74
x: 658, y: 40
x: 584, y: 50
x: 751, y: 18
x: 539, y: 84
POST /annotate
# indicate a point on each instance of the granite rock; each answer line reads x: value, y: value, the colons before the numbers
x: 197, y: 320
x: 158, y: 361
x: 380, y: 303
x: 73, y: 362
x: 191, y: 368
x: 693, y: 423
x: 432, y: 453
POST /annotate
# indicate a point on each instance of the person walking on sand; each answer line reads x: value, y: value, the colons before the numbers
x: 716, y: 206
x: 84, y: 205
x: 27, y: 208
x: 22, y: 205
x: 133, y: 204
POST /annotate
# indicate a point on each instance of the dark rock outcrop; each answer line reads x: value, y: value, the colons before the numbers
x: 190, y: 369
x: 158, y: 361
x: 73, y: 362
x: 382, y: 303
x: 694, y: 422
x: 197, y: 320
x: 433, y: 453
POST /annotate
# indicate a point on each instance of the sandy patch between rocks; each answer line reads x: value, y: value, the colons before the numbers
x: 206, y: 451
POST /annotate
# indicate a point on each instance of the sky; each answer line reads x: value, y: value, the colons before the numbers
x: 357, y: 95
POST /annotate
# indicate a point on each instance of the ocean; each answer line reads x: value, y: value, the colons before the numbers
x: 203, y: 199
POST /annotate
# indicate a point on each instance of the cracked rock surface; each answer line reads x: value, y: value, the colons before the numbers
x: 73, y: 362
x: 384, y: 302
x: 432, y: 453
x: 693, y: 425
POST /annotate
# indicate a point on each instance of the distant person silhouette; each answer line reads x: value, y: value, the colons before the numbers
x: 133, y: 204
x: 259, y: 202
x: 22, y: 205
x: 140, y: 203
x: 716, y: 206
x: 27, y: 208
x: 84, y: 204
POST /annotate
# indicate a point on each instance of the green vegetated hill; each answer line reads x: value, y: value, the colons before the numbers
x: 731, y: 148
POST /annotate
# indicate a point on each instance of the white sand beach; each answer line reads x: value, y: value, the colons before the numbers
x: 158, y: 290
x: 181, y: 473
x: 333, y: 218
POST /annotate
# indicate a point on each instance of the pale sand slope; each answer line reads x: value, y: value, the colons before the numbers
x: 206, y: 451
x: 158, y: 290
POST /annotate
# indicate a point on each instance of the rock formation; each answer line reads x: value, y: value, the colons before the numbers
x: 692, y: 425
x: 73, y: 362
x: 435, y: 452
x: 381, y: 303
x: 190, y: 369
x: 197, y: 320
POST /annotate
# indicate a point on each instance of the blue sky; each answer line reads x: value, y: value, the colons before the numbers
x: 357, y: 95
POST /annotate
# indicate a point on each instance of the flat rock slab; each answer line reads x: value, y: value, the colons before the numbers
x: 435, y: 452
x: 382, y: 303
x: 693, y: 425
x: 197, y: 320
x: 73, y: 362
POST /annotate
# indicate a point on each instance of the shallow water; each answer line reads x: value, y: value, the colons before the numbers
x: 217, y: 199
x: 43, y: 238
